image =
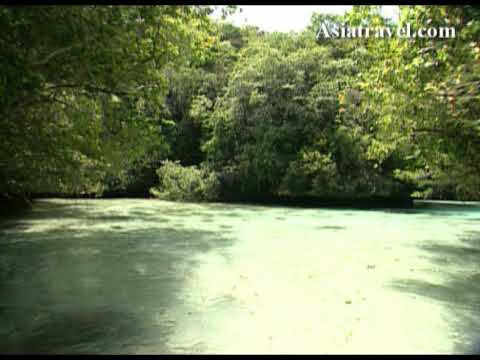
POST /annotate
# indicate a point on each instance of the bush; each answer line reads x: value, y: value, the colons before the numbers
x: 185, y: 183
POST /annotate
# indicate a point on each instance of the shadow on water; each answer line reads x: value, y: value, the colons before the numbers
x: 97, y: 291
x: 331, y: 227
x: 459, y: 293
x: 437, y: 208
x: 467, y: 252
x: 89, y: 209
x: 88, y: 332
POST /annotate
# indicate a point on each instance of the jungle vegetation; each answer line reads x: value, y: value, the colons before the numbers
x: 169, y: 102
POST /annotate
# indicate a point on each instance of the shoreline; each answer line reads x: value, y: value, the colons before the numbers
x: 288, y: 201
x: 15, y: 205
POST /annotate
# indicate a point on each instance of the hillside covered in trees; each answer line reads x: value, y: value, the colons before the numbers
x: 166, y: 101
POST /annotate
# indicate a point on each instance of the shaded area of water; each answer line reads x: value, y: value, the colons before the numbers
x: 459, y: 290
x: 143, y: 276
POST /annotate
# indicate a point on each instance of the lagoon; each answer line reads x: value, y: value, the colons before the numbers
x: 132, y: 276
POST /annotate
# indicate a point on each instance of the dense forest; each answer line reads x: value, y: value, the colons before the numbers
x: 168, y: 101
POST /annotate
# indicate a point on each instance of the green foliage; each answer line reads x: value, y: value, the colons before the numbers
x: 81, y: 90
x: 313, y: 173
x: 92, y: 99
x: 188, y: 183
x: 284, y: 125
x: 425, y: 98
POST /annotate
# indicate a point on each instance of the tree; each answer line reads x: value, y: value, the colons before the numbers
x: 280, y: 128
x: 81, y: 90
x: 424, y: 94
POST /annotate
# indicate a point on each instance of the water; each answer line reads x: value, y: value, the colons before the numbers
x: 147, y: 276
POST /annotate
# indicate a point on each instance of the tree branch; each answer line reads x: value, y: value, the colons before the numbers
x: 51, y: 55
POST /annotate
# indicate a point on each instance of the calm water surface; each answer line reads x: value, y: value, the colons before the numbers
x: 146, y: 276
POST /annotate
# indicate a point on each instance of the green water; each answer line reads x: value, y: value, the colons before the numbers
x: 147, y: 276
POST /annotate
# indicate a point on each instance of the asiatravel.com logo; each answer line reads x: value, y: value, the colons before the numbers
x: 336, y: 31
